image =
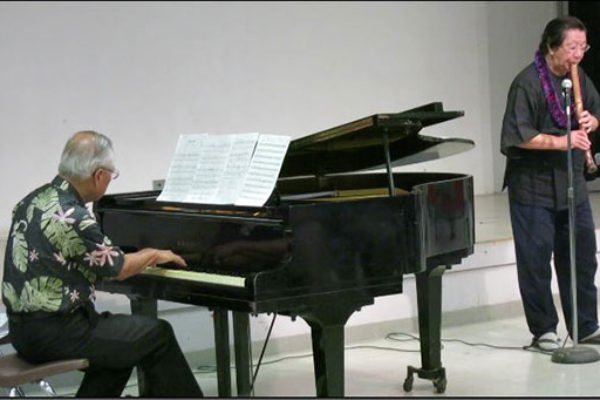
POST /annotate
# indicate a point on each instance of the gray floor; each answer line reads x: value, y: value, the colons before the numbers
x: 481, y: 360
x: 378, y: 367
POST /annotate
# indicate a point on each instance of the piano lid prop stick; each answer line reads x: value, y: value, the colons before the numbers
x: 388, y: 162
x: 590, y: 164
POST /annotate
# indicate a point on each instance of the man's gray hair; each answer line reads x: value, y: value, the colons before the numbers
x: 84, y: 153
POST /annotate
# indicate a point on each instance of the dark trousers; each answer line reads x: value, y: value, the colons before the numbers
x: 538, y: 234
x: 114, y: 345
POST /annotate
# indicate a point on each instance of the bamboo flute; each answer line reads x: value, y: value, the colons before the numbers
x: 590, y: 164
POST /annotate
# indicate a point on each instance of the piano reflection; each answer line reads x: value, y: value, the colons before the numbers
x: 330, y: 239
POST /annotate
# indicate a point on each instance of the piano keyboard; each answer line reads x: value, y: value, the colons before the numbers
x: 195, y: 276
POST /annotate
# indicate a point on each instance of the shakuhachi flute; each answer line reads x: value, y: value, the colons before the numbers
x: 590, y: 164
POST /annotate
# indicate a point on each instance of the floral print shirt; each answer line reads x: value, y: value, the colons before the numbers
x: 55, y: 252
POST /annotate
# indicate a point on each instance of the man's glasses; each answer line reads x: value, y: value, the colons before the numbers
x: 114, y: 173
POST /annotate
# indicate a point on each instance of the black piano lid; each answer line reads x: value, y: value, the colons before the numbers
x: 359, y: 145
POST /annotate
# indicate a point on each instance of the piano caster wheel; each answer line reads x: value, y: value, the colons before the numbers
x: 437, y: 376
x: 440, y: 385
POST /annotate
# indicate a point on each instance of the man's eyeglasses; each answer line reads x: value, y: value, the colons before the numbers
x: 573, y: 48
x: 114, y: 173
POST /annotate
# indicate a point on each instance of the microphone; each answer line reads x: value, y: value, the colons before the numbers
x: 566, y: 85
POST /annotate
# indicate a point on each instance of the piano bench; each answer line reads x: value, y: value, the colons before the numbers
x: 14, y: 372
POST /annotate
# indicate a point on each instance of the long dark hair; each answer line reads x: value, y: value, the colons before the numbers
x: 554, y: 33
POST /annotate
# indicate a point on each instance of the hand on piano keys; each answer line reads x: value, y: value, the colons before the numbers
x: 166, y: 256
x: 136, y: 262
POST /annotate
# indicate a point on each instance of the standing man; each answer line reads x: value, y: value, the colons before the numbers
x: 535, y: 143
x: 54, y: 255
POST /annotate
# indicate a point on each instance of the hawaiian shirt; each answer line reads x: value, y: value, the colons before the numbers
x: 55, y: 252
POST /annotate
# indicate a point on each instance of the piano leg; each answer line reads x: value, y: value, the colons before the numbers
x: 243, y: 352
x: 327, y: 329
x: 149, y: 308
x: 241, y: 330
x: 429, y: 300
x: 243, y: 355
x: 221, y: 329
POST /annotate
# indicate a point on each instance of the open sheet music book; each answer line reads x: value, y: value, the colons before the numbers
x: 239, y: 169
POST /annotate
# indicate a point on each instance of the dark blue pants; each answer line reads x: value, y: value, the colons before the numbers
x: 540, y: 233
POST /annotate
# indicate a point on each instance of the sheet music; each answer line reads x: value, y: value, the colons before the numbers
x: 232, y: 179
x: 264, y: 170
x: 239, y: 169
x: 183, y: 167
x: 211, y: 164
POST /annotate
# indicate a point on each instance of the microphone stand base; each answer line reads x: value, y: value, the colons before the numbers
x: 575, y: 355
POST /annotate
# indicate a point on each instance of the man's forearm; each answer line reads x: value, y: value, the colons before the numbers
x: 544, y: 141
x: 136, y: 262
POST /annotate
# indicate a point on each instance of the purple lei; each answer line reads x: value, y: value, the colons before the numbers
x: 552, y: 98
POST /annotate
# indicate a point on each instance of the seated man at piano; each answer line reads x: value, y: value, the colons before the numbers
x: 55, y: 254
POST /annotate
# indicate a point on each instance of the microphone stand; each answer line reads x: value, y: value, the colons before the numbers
x: 576, y: 354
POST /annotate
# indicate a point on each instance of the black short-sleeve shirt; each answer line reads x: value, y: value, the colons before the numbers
x: 539, y: 177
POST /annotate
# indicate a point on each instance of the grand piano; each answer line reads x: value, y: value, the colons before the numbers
x: 340, y: 229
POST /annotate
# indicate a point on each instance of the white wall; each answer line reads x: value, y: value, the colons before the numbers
x: 145, y: 72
